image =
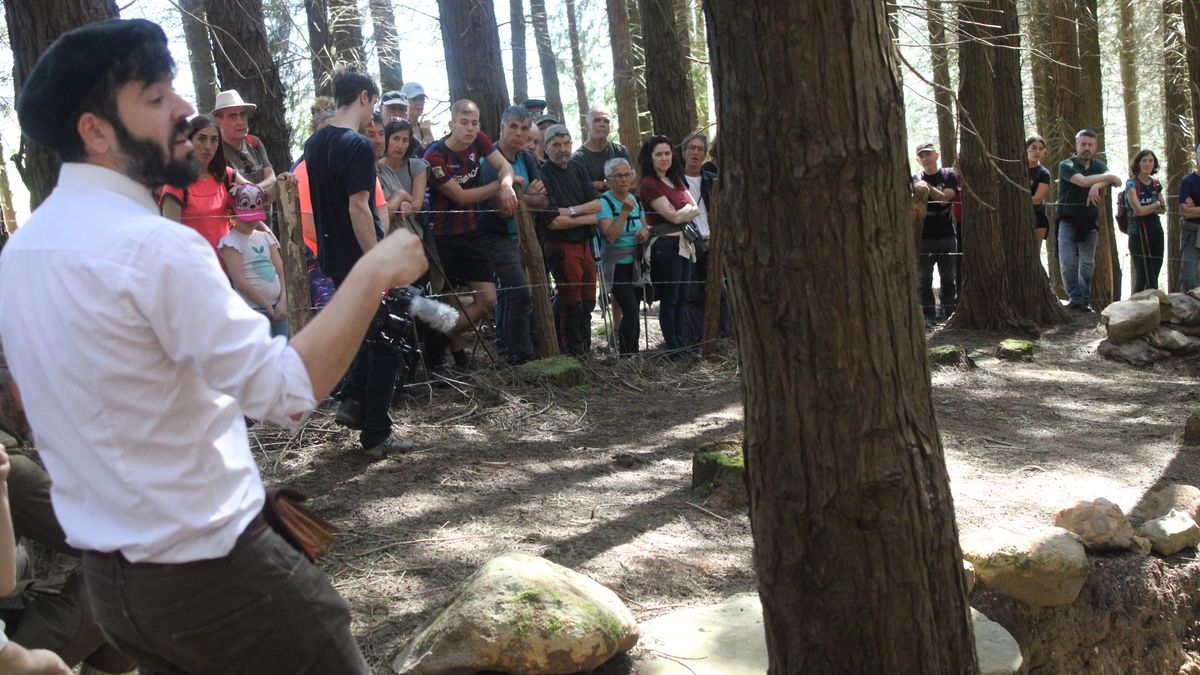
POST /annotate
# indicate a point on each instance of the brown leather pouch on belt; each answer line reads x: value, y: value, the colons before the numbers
x: 304, y: 530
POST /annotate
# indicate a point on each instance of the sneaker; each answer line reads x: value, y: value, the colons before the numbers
x: 349, y: 414
x: 390, y: 445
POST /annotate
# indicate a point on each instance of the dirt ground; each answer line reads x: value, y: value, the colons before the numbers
x: 506, y: 465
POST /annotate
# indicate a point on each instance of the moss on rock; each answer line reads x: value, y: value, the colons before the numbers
x: 1015, y: 350
x: 954, y: 356
x: 561, y: 370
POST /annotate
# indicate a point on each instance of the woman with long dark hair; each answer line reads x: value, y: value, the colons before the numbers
x: 1039, y: 187
x: 1143, y: 204
x: 403, y: 175
x: 669, y: 206
x: 204, y: 205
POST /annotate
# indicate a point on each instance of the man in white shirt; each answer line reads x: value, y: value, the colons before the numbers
x: 701, y: 176
x: 137, y: 363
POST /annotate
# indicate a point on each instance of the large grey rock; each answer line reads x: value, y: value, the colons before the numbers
x: 1130, y: 319
x: 522, y: 614
x: 724, y: 639
x: 1041, y: 566
x: 1185, y: 308
x: 1169, y: 339
x: 1165, y: 309
x: 1136, y: 352
x: 995, y: 648
x: 1171, y: 533
x: 1100, y: 524
x: 1161, y: 500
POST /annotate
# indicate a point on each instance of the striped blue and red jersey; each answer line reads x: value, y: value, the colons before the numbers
x: 462, y: 167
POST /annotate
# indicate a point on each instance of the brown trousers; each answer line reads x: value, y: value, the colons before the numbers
x: 262, y: 609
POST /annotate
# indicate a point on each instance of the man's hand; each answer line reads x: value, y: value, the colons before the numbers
x: 518, y: 179
x: 398, y: 258
x: 287, y: 177
x: 508, y: 199
x: 537, y: 187
x: 628, y: 204
x: 1094, y: 194
x: 405, y: 209
x: 600, y: 185
x: 921, y: 185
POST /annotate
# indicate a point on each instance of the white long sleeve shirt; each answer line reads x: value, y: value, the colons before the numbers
x: 136, y: 361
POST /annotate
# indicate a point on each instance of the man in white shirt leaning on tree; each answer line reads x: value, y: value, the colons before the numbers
x: 137, y: 364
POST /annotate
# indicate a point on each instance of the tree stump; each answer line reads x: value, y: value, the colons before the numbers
x: 561, y: 370
x: 719, y: 474
x: 1015, y: 350
x: 951, y: 356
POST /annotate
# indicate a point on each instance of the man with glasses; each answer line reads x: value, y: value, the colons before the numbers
x: 244, y: 152
x: 701, y: 175
x: 393, y: 105
x: 597, y: 149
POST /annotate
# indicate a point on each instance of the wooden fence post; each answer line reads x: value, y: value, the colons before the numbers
x: 291, y: 249
x: 535, y: 272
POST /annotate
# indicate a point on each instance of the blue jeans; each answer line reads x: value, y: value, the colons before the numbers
x: 514, y: 301
x: 1077, y: 258
x: 670, y: 272
x: 1191, y: 257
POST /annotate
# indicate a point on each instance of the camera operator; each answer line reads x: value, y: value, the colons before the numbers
x: 137, y: 364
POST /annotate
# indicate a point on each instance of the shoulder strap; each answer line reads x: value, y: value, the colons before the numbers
x: 612, y: 203
x: 252, y: 141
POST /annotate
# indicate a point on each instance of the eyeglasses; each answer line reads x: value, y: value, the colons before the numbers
x: 621, y: 176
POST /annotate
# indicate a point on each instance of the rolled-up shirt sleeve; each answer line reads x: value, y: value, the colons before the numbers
x: 203, y: 324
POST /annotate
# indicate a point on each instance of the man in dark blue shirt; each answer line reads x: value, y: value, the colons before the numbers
x: 341, y: 175
x: 938, y: 245
x: 1189, y: 226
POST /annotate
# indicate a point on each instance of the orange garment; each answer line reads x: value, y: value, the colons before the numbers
x: 306, y: 212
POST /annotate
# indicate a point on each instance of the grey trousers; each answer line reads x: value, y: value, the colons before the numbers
x: 262, y: 609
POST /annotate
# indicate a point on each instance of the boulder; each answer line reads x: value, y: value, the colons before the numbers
x: 952, y: 356
x: 1130, y: 319
x: 522, y: 614
x: 1163, y: 499
x: 561, y: 370
x: 1169, y: 340
x: 1171, y: 533
x: 1015, y: 350
x: 969, y: 573
x: 723, y: 639
x: 996, y: 651
x: 1100, y: 524
x: 1185, y: 308
x: 1191, y: 429
x: 1136, y: 352
x: 719, y: 474
x: 1041, y: 566
x: 1166, y: 310
x: 1141, y: 545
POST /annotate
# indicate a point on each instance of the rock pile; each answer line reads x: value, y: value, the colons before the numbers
x: 1151, y: 326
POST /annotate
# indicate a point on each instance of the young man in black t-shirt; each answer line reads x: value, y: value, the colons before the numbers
x: 938, y: 246
x: 341, y: 175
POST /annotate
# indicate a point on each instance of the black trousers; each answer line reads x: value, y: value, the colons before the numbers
x: 1146, y: 245
x: 372, y: 382
x: 626, y: 295
x: 938, y: 252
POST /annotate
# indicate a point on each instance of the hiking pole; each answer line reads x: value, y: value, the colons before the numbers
x: 604, y: 316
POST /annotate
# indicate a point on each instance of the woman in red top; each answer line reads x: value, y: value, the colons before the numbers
x: 204, y: 205
x: 669, y: 205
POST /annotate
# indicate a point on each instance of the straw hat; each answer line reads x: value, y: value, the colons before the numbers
x: 231, y: 99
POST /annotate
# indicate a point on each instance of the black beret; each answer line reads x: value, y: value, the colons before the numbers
x: 68, y: 70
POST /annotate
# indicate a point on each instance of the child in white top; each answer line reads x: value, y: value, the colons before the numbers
x: 252, y: 261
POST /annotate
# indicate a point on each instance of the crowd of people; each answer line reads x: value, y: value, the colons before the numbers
x: 1083, y: 179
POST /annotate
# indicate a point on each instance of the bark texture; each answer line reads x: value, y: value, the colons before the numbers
x: 1191, y: 31
x: 1066, y: 115
x: 245, y: 63
x: 637, y: 37
x: 387, y: 45
x: 1129, y: 78
x: 1106, y: 280
x: 581, y: 95
x: 516, y: 12
x: 623, y: 80
x: 939, y: 53
x: 668, y: 77
x: 200, y: 56
x: 472, y: 43
x: 320, y: 46
x: 31, y: 29
x: 546, y: 61
x: 856, y: 549
x: 1177, y: 115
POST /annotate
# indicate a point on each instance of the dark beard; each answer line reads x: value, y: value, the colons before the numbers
x: 145, y: 161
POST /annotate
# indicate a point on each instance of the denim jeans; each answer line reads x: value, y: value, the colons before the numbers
x: 670, y: 273
x: 697, y: 295
x: 1077, y: 258
x: 514, y: 301
x: 1191, y: 257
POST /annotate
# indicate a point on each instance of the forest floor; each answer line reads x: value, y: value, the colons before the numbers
x: 505, y: 465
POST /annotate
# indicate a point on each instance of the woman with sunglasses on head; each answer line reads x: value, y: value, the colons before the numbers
x: 670, y: 207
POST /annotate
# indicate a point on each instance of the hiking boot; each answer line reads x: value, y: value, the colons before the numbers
x: 349, y: 414
x: 390, y: 445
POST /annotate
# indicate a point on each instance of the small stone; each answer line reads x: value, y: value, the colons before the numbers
x: 1168, y: 339
x: 995, y: 648
x: 1130, y: 319
x: 1191, y: 428
x: 1015, y: 350
x: 969, y: 573
x: 561, y: 370
x: 1171, y: 533
x: 1161, y: 500
x: 1165, y: 306
x: 522, y: 614
x: 1100, y: 524
x: 1140, y: 545
x: 724, y: 639
x: 1041, y: 566
x: 954, y: 356
x: 1185, y: 308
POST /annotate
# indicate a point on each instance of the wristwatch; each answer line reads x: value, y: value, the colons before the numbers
x: 571, y: 210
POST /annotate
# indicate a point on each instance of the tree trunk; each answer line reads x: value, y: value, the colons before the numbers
x: 581, y: 95
x: 855, y: 543
x: 637, y: 39
x: 673, y: 105
x: 539, y: 282
x: 1191, y: 32
x: 516, y: 12
x: 546, y: 61
x: 939, y: 53
x: 346, y: 28
x: 1006, y: 288
x: 1133, y: 127
x: 245, y: 63
x: 1106, y: 279
x: 320, y: 46
x: 1063, y: 67
x: 1175, y: 136
x: 195, y: 32
x: 295, y: 265
x: 8, y: 213
x: 387, y: 45
x: 700, y: 66
x: 622, y: 55
x: 473, y: 65
x: 31, y: 29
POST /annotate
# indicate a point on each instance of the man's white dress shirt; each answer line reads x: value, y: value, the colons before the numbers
x: 136, y: 362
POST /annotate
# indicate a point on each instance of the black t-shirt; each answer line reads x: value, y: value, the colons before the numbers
x: 939, y: 217
x: 1038, y: 175
x: 593, y: 162
x: 341, y: 162
x: 567, y: 187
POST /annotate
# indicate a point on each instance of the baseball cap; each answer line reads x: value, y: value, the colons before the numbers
x: 393, y: 98
x: 926, y: 147
x: 413, y: 90
x: 545, y: 118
